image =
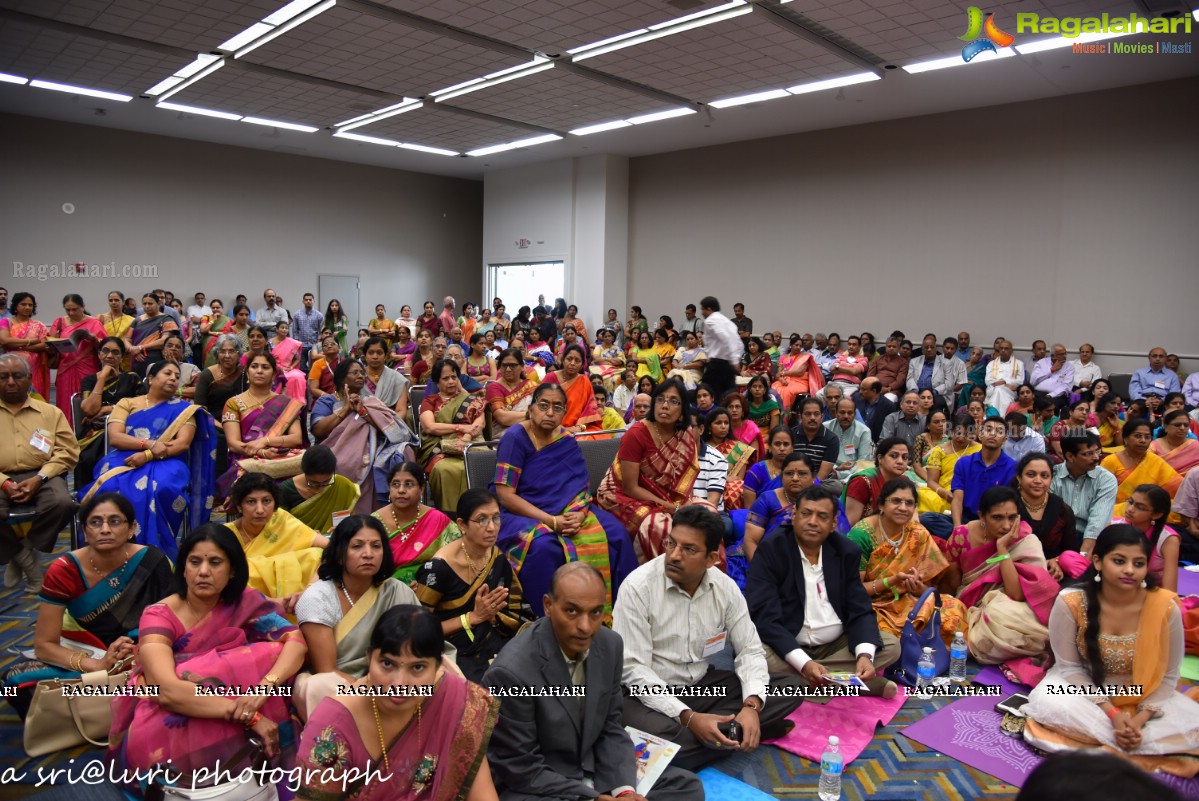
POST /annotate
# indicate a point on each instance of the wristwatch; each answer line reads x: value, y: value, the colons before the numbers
x: 868, y: 656
x: 43, y: 477
x: 271, y: 679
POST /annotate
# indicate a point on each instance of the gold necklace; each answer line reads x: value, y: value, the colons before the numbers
x: 471, y: 562
x: 113, y: 581
x: 379, y: 728
x: 1034, y: 507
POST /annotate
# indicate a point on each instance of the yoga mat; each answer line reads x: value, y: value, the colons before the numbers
x: 991, y: 675
x: 721, y: 786
x: 1190, y: 667
x: 853, y: 720
x: 968, y: 731
x: 1188, y: 582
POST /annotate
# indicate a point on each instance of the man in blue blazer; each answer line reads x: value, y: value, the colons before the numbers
x: 808, y: 602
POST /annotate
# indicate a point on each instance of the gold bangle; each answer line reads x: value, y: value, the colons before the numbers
x: 149, y: 454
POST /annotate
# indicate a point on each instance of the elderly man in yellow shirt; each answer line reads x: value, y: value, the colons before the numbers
x: 37, y: 450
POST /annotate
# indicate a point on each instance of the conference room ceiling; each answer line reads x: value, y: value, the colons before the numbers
x: 563, y: 68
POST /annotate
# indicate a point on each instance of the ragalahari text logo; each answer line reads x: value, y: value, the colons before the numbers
x: 982, y: 34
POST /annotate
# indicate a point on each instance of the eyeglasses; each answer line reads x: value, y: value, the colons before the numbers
x: 494, y: 520
x: 320, y: 484
x: 674, y: 402
x: 110, y: 351
x: 546, y: 406
x: 114, y: 521
x: 669, y: 545
x: 509, y: 365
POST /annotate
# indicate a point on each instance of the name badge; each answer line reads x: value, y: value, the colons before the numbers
x: 715, y: 644
x: 852, y: 360
x: 1159, y: 384
x: 851, y: 450
x: 41, y: 441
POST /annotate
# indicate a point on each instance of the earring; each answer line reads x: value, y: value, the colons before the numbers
x: 1144, y: 585
x: 1098, y: 578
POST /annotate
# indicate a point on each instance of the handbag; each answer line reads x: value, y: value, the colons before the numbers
x: 236, y: 790
x: 912, y: 643
x: 58, y: 721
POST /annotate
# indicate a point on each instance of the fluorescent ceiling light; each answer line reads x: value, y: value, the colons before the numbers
x: 532, y: 140
x: 609, y: 40
x: 407, y: 101
x: 603, y: 126
x: 390, y: 111
x: 1061, y: 41
x: 657, y: 32
x: 1195, y: 14
x: 956, y: 61
x: 282, y: 29
x: 291, y: 126
x: 494, y: 79
x: 426, y: 149
x: 202, y: 61
x: 661, y: 115
x: 292, y: 9
x: 199, y: 76
x: 203, y: 112
x: 6, y: 78
x: 374, y: 140
x: 772, y: 94
x: 79, y: 90
x: 245, y: 37
x: 163, y: 85
x: 832, y: 83
x: 672, y: 23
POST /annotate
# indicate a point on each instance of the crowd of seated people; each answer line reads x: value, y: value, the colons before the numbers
x: 873, y: 475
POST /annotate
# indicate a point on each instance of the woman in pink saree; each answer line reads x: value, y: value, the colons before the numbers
x: 26, y: 337
x: 213, y: 632
x: 290, y: 378
x: 84, y: 361
x: 427, y: 746
x: 1005, y: 585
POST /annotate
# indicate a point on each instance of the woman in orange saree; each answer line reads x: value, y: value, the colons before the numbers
x: 795, y: 375
x: 582, y: 412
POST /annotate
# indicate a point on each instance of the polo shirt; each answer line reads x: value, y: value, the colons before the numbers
x: 974, y: 478
x: 823, y: 448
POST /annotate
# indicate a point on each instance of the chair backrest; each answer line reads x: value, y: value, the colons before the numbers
x: 77, y: 414
x: 416, y: 396
x: 1119, y: 383
x: 480, y: 458
x: 598, y: 454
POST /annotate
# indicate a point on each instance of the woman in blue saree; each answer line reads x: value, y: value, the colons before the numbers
x: 162, y: 458
x: 91, y: 601
x: 541, y: 481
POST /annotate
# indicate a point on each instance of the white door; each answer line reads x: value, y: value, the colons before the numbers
x: 345, y: 289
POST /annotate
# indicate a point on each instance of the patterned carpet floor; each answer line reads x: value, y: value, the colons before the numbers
x: 892, y: 768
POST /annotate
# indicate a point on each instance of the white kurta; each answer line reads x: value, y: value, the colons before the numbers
x: 1011, y: 374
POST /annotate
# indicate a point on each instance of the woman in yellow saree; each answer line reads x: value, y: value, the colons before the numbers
x: 900, y: 560
x: 1137, y: 465
x: 318, y: 494
x: 1117, y: 628
x: 282, y: 552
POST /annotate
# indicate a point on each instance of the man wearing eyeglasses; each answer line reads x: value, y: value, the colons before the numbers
x: 37, y: 450
x: 675, y: 613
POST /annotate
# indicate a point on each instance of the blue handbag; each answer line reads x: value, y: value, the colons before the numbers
x: 913, y: 643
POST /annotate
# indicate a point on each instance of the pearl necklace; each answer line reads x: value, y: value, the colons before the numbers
x: 113, y: 581
x: 346, y: 593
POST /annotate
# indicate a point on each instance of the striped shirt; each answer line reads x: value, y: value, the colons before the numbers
x: 713, y: 474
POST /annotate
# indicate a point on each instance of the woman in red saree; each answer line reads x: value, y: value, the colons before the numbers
x: 508, y: 399
x: 582, y: 413
x: 214, y: 632
x: 436, y: 744
x: 26, y: 337
x: 654, y: 471
x: 77, y: 365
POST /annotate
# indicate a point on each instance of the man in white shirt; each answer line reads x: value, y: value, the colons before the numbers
x: 1086, y: 372
x: 674, y: 613
x: 724, y: 348
x: 824, y: 622
x: 1004, y: 377
x: 1054, y: 376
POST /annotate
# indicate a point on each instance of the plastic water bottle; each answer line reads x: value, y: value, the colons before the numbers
x: 926, y: 669
x: 957, y: 659
x: 831, y: 765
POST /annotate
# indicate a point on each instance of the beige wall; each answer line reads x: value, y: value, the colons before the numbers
x: 227, y: 220
x: 1067, y: 219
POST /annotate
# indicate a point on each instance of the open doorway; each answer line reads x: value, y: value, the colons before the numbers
x: 521, y: 284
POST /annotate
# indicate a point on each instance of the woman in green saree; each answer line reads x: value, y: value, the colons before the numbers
x: 318, y: 494
x: 449, y: 420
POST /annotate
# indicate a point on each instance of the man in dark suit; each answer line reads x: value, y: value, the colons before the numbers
x: 873, y: 406
x: 563, y: 747
x: 808, y: 602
